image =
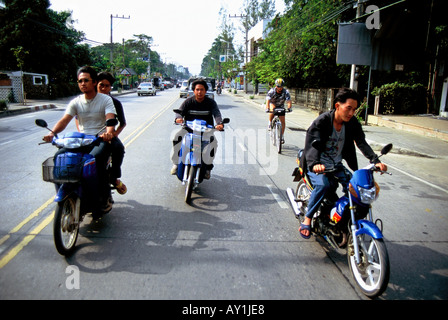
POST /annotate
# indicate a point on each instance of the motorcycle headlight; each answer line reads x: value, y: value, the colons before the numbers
x: 73, y: 143
x: 367, y: 196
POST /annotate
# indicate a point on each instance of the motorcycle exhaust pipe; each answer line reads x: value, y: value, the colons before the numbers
x: 294, y: 203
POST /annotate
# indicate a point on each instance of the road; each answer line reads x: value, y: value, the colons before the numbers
x: 238, y: 239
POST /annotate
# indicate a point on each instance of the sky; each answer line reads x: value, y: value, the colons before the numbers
x: 182, y: 30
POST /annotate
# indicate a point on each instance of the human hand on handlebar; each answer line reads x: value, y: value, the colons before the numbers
x: 318, y: 168
x: 219, y: 127
x: 179, y: 120
x: 49, y: 137
x: 107, y: 136
x: 381, y: 166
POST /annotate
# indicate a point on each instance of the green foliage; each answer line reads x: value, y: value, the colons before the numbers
x: 301, y: 48
x: 3, y: 105
x: 401, y: 98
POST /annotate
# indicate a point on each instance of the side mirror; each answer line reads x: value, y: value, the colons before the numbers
x: 225, y: 120
x: 177, y: 111
x: 386, y: 148
x: 41, y: 123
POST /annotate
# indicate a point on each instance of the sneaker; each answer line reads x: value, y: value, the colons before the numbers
x: 207, y: 174
x: 269, y: 127
x: 174, y: 169
x: 283, y: 141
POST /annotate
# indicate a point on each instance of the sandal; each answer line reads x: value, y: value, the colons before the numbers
x: 121, y: 187
x: 305, y: 227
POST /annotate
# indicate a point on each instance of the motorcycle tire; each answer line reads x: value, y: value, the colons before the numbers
x: 302, y: 192
x: 371, y: 275
x: 65, y: 229
x: 190, y: 183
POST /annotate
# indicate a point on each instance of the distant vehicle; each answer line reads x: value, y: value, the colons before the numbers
x: 184, y: 89
x: 146, y: 88
x: 157, y: 84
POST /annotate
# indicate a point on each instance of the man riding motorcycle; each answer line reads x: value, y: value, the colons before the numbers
x: 330, y: 139
x: 199, y: 102
x: 92, y: 109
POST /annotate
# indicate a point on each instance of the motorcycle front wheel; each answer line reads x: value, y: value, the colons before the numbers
x: 371, y: 274
x: 190, y: 183
x: 65, y: 227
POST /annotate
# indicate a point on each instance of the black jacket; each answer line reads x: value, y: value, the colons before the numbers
x: 322, y: 128
x: 207, y: 104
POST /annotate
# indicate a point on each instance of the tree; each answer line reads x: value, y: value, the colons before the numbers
x: 301, y: 48
x: 48, y: 36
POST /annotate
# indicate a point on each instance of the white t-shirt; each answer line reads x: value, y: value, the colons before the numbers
x: 91, y: 114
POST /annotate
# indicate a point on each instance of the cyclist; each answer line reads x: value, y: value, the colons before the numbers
x: 276, y: 98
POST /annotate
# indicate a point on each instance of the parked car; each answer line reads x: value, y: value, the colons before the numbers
x: 146, y: 88
x: 184, y: 89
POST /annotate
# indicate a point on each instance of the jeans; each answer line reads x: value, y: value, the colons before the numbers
x: 324, y: 183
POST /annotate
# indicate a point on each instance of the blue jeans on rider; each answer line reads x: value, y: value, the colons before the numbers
x: 323, y: 183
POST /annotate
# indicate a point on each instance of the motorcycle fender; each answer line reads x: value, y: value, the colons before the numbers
x: 369, y: 228
x: 65, y: 190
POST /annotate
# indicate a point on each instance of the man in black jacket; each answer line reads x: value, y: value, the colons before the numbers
x: 329, y: 140
x: 199, y: 103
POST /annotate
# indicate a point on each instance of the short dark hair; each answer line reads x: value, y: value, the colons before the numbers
x: 89, y: 70
x: 346, y: 93
x: 106, y: 75
x: 199, y: 81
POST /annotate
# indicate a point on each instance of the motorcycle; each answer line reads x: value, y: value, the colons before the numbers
x: 191, y: 166
x: 342, y: 223
x: 218, y: 90
x: 74, y: 174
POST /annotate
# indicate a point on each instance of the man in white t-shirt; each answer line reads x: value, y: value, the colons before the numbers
x: 92, y: 109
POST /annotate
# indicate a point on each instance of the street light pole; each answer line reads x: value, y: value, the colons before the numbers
x: 111, y: 42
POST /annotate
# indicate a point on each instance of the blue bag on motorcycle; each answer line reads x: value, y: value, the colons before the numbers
x: 68, y: 167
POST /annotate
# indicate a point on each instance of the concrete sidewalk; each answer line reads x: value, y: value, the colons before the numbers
x: 423, y: 136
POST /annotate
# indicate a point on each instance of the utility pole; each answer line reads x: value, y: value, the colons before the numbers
x: 353, y: 80
x: 111, y: 42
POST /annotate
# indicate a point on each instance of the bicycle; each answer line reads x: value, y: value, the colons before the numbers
x: 276, y: 128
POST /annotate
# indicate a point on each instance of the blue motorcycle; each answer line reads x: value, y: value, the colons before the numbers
x: 74, y: 174
x: 194, y: 154
x: 347, y: 222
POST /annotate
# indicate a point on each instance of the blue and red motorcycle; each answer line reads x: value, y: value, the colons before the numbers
x: 347, y: 222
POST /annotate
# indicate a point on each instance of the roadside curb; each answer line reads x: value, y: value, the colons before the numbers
x: 27, y: 109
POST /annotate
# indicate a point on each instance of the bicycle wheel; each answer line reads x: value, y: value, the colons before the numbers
x: 278, y: 136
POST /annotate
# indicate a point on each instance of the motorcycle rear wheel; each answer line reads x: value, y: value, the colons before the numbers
x: 65, y: 229
x: 371, y: 275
